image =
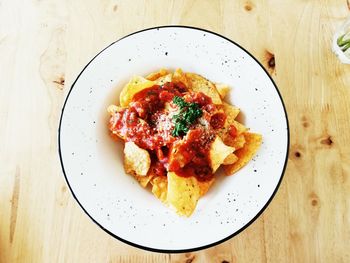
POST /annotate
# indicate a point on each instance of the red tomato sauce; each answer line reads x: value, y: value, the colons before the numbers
x: 148, y: 123
x: 195, y: 152
x: 151, y: 100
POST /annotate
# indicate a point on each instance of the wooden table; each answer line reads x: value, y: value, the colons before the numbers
x: 45, y: 44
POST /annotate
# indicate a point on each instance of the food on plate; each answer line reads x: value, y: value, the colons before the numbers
x: 178, y: 132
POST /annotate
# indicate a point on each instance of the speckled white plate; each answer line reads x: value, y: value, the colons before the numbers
x: 92, y: 161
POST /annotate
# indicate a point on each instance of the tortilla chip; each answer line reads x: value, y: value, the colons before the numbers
x: 160, y: 187
x: 233, y: 140
x: 176, y: 155
x: 164, y: 79
x: 183, y: 193
x: 200, y: 84
x: 135, y: 85
x: 239, y: 127
x: 231, y: 112
x: 205, y: 185
x: 112, y: 109
x: 156, y: 75
x: 179, y: 76
x: 136, y: 160
x: 236, y: 142
x: 143, y: 180
x: 253, y: 142
x: 223, y: 89
x: 218, y: 152
x: 230, y: 159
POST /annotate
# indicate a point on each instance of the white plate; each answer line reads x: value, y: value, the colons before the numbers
x: 92, y: 161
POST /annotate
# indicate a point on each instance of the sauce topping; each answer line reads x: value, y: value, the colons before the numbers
x: 176, y: 127
x: 191, y: 156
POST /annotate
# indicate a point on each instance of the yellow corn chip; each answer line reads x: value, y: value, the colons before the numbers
x: 231, y: 112
x: 223, y: 89
x: 179, y: 76
x: 135, y: 85
x: 160, y: 187
x: 239, y: 127
x: 205, y: 185
x: 143, y: 180
x: 136, y: 159
x: 230, y: 159
x: 218, y: 153
x: 112, y: 109
x: 156, y: 75
x: 183, y: 193
x: 253, y: 142
x: 200, y: 84
x: 177, y: 155
x: 236, y: 142
x: 164, y: 79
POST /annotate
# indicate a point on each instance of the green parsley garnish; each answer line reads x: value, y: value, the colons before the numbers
x: 189, y: 113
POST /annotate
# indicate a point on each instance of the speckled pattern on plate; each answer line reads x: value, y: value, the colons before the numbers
x: 93, y: 163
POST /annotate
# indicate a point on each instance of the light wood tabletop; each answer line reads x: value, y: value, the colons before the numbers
x: 45, y: 44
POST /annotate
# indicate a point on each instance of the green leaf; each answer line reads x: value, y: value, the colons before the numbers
x: 343, y: 42
x: 180, y: 102
x: 189, y: 113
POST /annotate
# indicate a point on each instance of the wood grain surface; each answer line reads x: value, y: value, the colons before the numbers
x: 44, y: 44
